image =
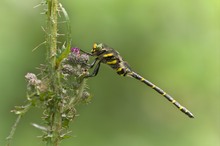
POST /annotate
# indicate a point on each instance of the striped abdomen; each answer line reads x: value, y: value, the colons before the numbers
x: 115, y: 61
x: 167, y: 96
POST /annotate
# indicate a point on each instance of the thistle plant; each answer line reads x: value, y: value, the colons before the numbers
x: 60, y: 84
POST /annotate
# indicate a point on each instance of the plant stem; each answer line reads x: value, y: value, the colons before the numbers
x: 56, y: 119
x: 52, y: 31
x: 13, y: 130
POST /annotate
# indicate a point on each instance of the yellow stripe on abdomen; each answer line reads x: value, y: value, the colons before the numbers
x: 108, y: 55
x: 112, y: 62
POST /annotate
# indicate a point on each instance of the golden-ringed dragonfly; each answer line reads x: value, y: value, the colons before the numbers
x: 111, y: 57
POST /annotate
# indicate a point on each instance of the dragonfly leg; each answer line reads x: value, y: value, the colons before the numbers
x: 95, y: 71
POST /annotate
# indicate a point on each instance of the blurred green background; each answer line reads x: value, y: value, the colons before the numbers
x: 173, y: 43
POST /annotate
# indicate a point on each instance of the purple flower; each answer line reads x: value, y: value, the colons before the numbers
x: 75, y: 51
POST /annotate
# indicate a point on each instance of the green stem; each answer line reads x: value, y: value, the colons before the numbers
x: 56, y: 119
x: 52, y: 28
x: 13, y: 130
x: 20, y: 114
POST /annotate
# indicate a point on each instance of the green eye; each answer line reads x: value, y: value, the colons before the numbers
x: 97, y: 47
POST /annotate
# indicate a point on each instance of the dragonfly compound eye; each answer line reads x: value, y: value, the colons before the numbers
x: 97, y: 48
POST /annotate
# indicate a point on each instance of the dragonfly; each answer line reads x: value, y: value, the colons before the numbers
x: 107, y: 55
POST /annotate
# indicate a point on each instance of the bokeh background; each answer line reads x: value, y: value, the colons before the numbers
x: 173, y: 43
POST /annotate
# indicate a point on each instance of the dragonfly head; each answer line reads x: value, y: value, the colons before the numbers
x: 97, y: 48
